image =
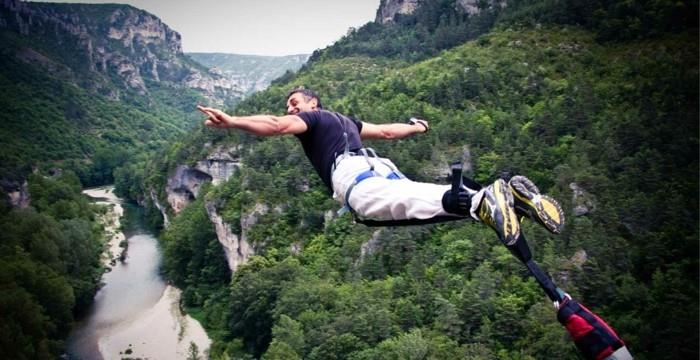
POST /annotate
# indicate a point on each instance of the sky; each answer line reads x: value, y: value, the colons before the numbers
x: 257, y: 27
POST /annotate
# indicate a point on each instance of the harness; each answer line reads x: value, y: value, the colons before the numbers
x: 395, y: 174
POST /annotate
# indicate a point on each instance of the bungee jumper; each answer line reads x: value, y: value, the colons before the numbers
x: 378, y: 194
x: 372, y: 187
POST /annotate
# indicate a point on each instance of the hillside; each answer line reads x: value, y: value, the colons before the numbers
x: 88, y: 87
x: 599, y: 112
x: 250, y: 73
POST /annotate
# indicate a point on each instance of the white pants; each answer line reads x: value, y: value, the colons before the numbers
x: 379, y: 198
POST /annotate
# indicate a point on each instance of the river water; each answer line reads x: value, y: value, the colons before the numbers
x: 135, y: 314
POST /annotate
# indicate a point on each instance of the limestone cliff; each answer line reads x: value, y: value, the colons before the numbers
x: 236, y: 246
x: 474, y: 7
x: 389, y: 9
x: 184, y: 185
x: 97, y: 45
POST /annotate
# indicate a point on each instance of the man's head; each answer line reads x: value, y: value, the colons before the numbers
x: 300, y: 100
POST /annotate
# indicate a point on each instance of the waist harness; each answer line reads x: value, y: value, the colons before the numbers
x: 395, y: 174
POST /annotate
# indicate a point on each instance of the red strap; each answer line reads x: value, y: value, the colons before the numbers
x: 578, y: 327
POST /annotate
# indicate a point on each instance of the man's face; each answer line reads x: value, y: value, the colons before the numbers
x: 297, y: 103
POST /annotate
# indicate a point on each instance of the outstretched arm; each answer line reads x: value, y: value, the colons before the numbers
x: 394, y: 130
x: 261, y: 125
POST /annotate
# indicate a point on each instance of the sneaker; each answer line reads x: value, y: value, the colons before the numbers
x: 497, y: 211
x: 541, y: 208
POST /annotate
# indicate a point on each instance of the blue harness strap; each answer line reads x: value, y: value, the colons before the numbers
x: 394, y: 175
x: 364, y: 176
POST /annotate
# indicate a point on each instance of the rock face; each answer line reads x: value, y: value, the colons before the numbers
x: 582, y: 201
x: 110, y: 43
x: 369, y: 247
x: 183, y: 186
x: 474, y: 7
x: 18, y: 194
x: 220, y: 164
x: 161, y: 208
x: 576, y: 261
x: 236, y: 247
x: 388, y: 9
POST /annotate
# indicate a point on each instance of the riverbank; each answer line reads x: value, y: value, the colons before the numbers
x: 111, y: 222
x: 146, y: 337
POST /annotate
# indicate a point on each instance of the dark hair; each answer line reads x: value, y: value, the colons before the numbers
x: 308, y: 95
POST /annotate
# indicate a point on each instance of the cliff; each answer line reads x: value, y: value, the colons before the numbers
x: 389, y: 9
x: 108, y: 44
x: 184, y: 186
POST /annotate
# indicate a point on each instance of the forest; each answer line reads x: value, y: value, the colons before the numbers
x: 49, y: 266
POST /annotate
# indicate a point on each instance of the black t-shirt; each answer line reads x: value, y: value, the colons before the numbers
x: 324, y: 140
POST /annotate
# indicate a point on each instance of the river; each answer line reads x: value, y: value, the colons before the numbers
x: 135, y: 314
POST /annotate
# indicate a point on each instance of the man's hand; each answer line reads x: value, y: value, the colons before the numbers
x: 414, y: 121
x: 216, y: 118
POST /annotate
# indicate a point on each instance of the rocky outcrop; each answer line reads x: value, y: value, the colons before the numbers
x: 160, y: 207
x: 328, y: 216
x: 474, y: 7
x: 115, y: 42
x: 17, y: 193
x: 388, y: 9
x: 370, y: 246
x: 583, y: 202
x: 220, y: 164
x: 212, y: 82
x: 236, y: 246
x: 576, y: 262
x: 184, y: 185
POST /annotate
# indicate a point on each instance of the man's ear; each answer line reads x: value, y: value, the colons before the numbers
x: 314, y: 103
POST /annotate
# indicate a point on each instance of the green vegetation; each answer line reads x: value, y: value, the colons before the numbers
x: 49, y: 267
x: 596, y: 101
x: 437, y: 25
x: 614, y: 117
x: 50, y: 123
x: 60, y: 113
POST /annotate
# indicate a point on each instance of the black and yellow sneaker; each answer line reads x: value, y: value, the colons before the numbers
x: 496, y: 210
x: 539, y: 207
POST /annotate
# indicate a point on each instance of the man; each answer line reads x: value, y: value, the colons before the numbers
x: 373, y: 188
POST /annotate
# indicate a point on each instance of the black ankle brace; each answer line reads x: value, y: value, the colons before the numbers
x: 459, y: 203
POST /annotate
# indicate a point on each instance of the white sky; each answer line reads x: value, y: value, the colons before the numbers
x: 257, y: 27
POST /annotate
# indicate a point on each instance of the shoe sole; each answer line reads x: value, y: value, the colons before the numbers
x: 539, y: 207
x: 505, y: 202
